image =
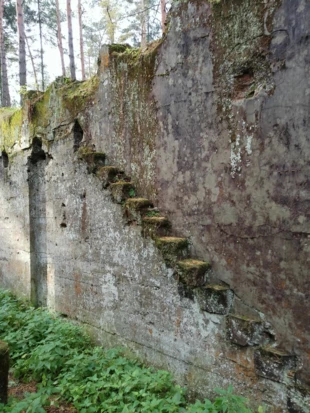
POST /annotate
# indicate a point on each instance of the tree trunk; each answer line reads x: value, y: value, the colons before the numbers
x: 5, y: 93
x: 70, y: 37
x: 33, y: 65
x: 59, y: 38
x: 81, y: 40
x: 41, y: 45
x: 143, y: 25
x: 163, y: 14
x: 21, y: 41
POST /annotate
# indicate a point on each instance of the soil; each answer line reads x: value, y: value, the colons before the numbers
x: 17, y: 390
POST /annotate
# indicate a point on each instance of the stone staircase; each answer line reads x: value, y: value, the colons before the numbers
x: 193, y: 275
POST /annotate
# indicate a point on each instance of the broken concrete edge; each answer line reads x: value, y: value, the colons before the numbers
x: 4, y: 348
x: 4, y: 371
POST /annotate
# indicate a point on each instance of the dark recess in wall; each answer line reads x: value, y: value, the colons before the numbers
x: 77, y: 135
x: 5, y: 159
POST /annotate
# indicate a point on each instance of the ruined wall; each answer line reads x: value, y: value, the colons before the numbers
x: 212, y: 124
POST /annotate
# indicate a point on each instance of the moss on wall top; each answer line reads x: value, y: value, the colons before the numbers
x: 77, y: 95
x: 11, y: 120
x: 63, y: 99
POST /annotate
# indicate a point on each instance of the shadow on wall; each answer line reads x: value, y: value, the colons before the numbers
x: 37, y: 222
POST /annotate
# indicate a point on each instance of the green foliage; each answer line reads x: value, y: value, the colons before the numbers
x: 152, y: 214
x: 132, y: 193
x: 60, y: 357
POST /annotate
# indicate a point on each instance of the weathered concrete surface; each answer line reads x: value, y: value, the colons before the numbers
x: 213, y: 126
x: 234, y: 171
x: 14, y: 226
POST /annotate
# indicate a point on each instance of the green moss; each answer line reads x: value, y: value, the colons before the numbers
x: 118, y: 48
x: 11, y: 121
x: 245, y: 318
x: 193, y: 264
x: 76, y: 95
x: 39, y: 111
x: 171, y: 247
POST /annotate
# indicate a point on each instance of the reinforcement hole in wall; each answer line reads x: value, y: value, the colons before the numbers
x: 77, y: 135
x: 5, y: 159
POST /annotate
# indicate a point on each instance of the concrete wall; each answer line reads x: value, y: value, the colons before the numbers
x: 212, y: 123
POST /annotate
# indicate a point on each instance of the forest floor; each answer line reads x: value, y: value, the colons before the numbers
x: 18, y: 390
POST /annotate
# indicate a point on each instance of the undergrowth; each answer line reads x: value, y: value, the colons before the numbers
x: 61, y: 358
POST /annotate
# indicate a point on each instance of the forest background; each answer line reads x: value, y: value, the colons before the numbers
x: 43, y: 39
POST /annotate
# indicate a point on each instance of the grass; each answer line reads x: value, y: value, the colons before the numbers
x: 60, y: 357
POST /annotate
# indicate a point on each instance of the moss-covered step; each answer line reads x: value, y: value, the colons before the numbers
x: 108, y: 175
x: 275, y: 364
x: 134, y: 207
x: 172, y: 248
x: 4, y: 371
x: 121, y: 191
x: 215, y: 298
x: 155, y: 226
x: 246, y: 331
x: 94, y: 160
x: 193, y: 272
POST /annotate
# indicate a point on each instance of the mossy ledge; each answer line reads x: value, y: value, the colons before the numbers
x: 77, y: 96
x: 11, y: 121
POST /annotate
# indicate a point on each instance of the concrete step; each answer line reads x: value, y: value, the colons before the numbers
x: 121, y: 191
x: 275, y: 364
x: 215, y: 298
x: 246, y: 331
x: 193, y: 272
x: 94, y: 160
x: 155, y: 226
x: 172, y: 248
x: 108, y: 175
x: 134, y: 208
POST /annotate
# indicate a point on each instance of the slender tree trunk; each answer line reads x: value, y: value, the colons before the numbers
x: 5, y: 93
x: 163, y: 14
x: 32, y: 63
x: 41, y: 45
x: 143, y: 25
x: 70, y: 37
x: 59, y: 39
x: 21, y: 41
x: 81, y: 40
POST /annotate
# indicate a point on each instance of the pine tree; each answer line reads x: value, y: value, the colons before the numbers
x: 5, y: 94
x: 70, y: 41
x: 41, y: 44
x: 59, y: 39
x: 81, y: 39
x: 163, y: 14
x: 21, y: 42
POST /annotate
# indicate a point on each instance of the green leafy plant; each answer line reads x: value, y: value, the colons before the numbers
x: 132, y: 193
x: 61, y: 358
x: 152, y: 214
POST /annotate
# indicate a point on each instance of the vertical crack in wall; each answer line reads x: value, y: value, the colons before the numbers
x: 37, y: 219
